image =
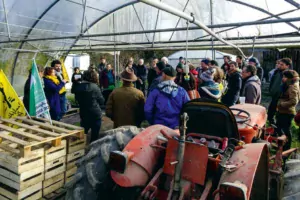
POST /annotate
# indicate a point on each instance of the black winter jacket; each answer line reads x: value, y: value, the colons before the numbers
x: 141, y: 72
x: 234, y: 87
x: 90, y: 100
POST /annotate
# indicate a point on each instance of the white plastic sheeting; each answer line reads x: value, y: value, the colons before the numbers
x: 195, y: 56
x: 56, y: 18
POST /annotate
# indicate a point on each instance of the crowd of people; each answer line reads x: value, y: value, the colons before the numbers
x: 157, y: 93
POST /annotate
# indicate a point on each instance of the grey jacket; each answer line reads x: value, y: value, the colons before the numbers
x: 252, y: 90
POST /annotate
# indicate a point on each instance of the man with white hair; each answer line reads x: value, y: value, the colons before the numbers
x: 166, y: 61
x: 141, y: 73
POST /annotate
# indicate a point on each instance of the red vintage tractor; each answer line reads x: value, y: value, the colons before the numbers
x: 217, y: 153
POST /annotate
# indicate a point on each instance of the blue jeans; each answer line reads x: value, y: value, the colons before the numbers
x: 63, y: 105
x: 95, y: 125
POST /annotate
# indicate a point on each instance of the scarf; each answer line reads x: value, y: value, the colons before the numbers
x: 56, y: 81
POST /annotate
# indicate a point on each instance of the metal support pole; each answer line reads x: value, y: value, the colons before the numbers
x: 115, y: 58
x: 153, y: 39
x: 212, y: 23
x: 6, y: 20
x: 83, y: 15
x: 186, y: 4
x: 140, y: 21
x: 179, y: 13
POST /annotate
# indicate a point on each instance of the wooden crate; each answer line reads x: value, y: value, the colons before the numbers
x: 21, y: 178
x: 71, y: 167
x: 58, y: 194
x: 73, y: 157
x: 69, y: 175
x: 35, y: 132
x: 52, y: 153
x: 31, y: 193
x: 75, y: 144
x: 54, y: 183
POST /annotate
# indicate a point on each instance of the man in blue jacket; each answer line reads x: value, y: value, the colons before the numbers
x: 165, y: 102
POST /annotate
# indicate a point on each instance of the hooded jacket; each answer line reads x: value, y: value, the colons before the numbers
x: 252, y: 90
x: 90, y: 100
x: 210, y: 90
x: 164, y: 104
x: 289, y: 99
x: 233, y: 89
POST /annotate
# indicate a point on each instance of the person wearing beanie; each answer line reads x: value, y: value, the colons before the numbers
x: 251, y: 86
x: 209, y: 88
x: 274, y: 88
x: 187, y: 81
x: 234, y: 85
x: 204, y: 65
x: 260, y: 71
x: 125, y: 105
x: 286, y: 107
x: 165, y: 102
x: 181, y: 60
x: 159, y: 67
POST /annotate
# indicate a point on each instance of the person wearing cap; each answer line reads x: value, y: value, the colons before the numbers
x: 251, y: 85
x: 159, y: 67
x: 165, y: 102
x: 286, y: 107
x: 187, y: 81
x: 234, y: 85
x: 125, y: 105
x: 274, y: 88
x: 260, y: 71
x: 209, y: 88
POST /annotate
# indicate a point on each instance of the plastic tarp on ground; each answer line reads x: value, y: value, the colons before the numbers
x: 63, y: 25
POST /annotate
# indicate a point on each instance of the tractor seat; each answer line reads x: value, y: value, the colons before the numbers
x: 210, y: 118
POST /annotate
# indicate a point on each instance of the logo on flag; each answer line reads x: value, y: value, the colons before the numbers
x: 10, y: 104
x: 37, y: 102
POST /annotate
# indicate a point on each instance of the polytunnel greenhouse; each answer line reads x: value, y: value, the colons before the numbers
x: 149, y: 99
x: 54, y: 28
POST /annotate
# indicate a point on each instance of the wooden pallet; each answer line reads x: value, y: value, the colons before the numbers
x: 31, y: 193
x: 54, y: 183
x: 35, y: 132
x: 71, y: 112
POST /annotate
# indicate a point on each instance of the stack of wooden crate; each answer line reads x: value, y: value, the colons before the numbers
x: 35, y: 155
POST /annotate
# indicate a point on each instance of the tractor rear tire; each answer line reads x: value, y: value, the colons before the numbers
x: 292, y: 179
x: 92, y: 179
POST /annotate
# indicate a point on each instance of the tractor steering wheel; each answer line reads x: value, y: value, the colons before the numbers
x: 238, y: 118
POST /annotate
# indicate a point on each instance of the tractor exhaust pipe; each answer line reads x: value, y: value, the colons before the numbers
x: 180, y: 156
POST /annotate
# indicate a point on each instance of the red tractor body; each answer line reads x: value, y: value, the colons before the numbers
x: 211, y: 166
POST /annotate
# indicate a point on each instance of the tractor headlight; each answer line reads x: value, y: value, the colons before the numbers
x: 233, y: 191
x: 118, y: 160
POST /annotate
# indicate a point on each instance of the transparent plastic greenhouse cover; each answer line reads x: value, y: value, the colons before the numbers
x: 49, y: 28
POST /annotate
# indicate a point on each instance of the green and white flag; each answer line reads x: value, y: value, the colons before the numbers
x: 38, y: 105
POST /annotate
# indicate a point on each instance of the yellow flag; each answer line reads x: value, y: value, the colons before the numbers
x: 64, y: 71
x: 10, y: 104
